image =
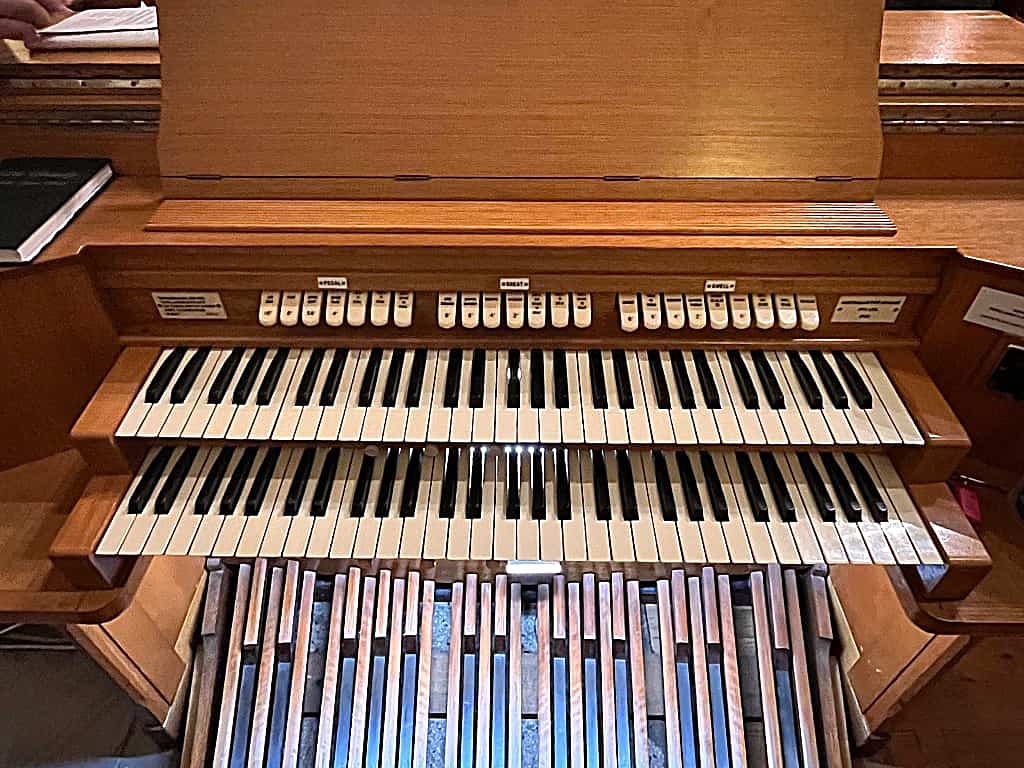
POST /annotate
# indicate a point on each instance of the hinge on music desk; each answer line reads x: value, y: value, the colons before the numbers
x: 204, y: 177
x: 620, y: 178
x: 412, y: 177
x: 833, y: 178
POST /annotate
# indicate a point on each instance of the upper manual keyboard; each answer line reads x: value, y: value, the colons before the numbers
x: 526, y: 396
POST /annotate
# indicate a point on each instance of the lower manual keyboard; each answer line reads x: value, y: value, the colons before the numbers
x: 504, y: 503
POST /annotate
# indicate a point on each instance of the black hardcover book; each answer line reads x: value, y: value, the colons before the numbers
x: 39, y: 196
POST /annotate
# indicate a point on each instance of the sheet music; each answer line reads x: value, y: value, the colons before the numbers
x: 103, y: 28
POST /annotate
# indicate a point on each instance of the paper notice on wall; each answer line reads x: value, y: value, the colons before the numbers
x: 998, y: 310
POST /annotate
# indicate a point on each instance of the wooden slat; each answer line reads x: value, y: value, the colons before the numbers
x: 361, y: 685
x: 544, y: 735
x: 229, y: 690
x: 801, y: 677
x: 673, y: 739
x: 208, y: 659
x: 286, y: 627
x: 514, y: 737
x: 325, y: 733
x: 733, y: 694
x: 254, y: 610
x: 606, y: 662
x: 705, y: 731
x: 483, y: 703
x: 638, y: 686
x: 265, y: 673
x: 575, y: 658
x: 298, y: 683
x: 419, y: 755
x: 453, y: 711
x: 392, y: 700
x: 766, y: 676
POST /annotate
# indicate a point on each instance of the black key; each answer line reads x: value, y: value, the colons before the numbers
x: 453, y: 379
x: 664, y: 483
x: 706, y: 380
x: 561, y: 379
x: 416, y: 374
x: 563, y: 498
x: 833, y: 387
x: 538, y: 507
x: 149, y: 480
x: 658, y: 379
x: 627, y: 491
x: 847, y: 498
x: 682, y: 378
x: 449, y: 483
x: 748, y: 394
x: 411, y: 484
x: 777, y: 484
x: 819, y: 491
x: 512, y: 496
x: 333, y: 379
x: 390, y: 398
x: 260, y: 484
x: 164, y: 374
x: 475, y: 497
x: 515, y: 378
x: 361, y: 493
x: 716, y: 493
x: 769, y: 383
x: 622, y: 386
x: 324, y: 483
x: 304, y: 394
x: 868, y: 490
x: 387, y: 483
x: 597, y: 385
x: 270, y: 379
x: 536, y: 378
x: 247, y: 381
x: 854, y: 381
x: 602, y: 497
x: 300, y: 480
x: 476, y: 379
x: 219, y: 388
x: 214, y: 477
x: 370, y: 374
x: 691, y: 494
x: 806, y: 381
x: 755, y: 494
x: 187, y: 377
x: 172, y: 486
x: 233, y: 493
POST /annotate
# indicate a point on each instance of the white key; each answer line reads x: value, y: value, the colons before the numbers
x: 720, y: 538
x: 312, y: 308
x: 790, y: 415
x: 690, y: 540
x: 550, y: 528
x: 645, y: 541
x: 802, y: 530
x: 202, y: 410
x: 396, y: 417
x: 210, y: 525
x: 270, y: 304
x: 675, y: 314
x: 560, y: 310
x: 334, y: 314
x: 527, y: 529
x: 598, y: 536
x: 750, y: 424
x: 352, y: 421
x: 825, y: 533
x: 651, y: 306
x: 660, y: 419
x: 368, y: 529
x: 785, y: 310
x: 447, y: 310
x: 380, y: 308
x: 504, y: 417
x: 470, y: 309
x: 491, y: 312
x: 549, y: 417
x: 389, y: 540
x: 482, y: 535
x: 718, y: 312
x: 220, y: 419
x: 403, y: 309
x: 782, y: 535
x: 764, y: 315
x: 884, y: 388
x: 637, y: 420
x: 681, y: 418
x: 483, y: 418
x: 166, y: 524
x: 413, y: 528
x: 291, y: 306
x: 739, y: 308
x: 435, y: 531
x: 886, y: 477
x: 440, y: 420
x: 705, y: 418
x: 324, y: 527
x: 462, y: 415
x: 289, y: 413
x: 309, y: 418
x: 334, y: 414
x: 807, y: 307
x: 813, y: 419
x: 277, y: 522
x: 181, y: 412
x: 761, y: 548
x: 629, y: 312
x: 614, y: 415
x: 574, y: 530
x: 504, y: 528
x: 118, y: 530
x: 665, y: 533
x: 895, y: 532
x: 836, y: 419
x: 189, y: 521
x: 159, y: 411
x: 771, y: 419
x: 620, y: 533
x: 527, y: 417
x: 572, y: 417
x: 537, y: 310
x: 849, y: 533
x: 231, y: 529
x: 696, y: 311
x: 874, y: 536
x: 340, y: 507
x: 730, y: 428
x: 593, y: 417
x: 356, y: 312
x: 581, y: 312
x: 515, y: 310
x: 419, y: 416
x: 376, y: 413
x: 245, y: 414
x: 137, y: 411
x: 879, y: 417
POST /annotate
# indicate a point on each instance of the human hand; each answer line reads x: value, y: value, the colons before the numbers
x: 19, y: 19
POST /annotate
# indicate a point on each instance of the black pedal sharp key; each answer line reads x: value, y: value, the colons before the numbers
x: 602, y: 495
x: 598, y: 389
x: 271, y: 378
x: 833, y: 387
x: 682, y: 379
x: 160, y: 381
x: 361, y: 493
x: 208, y: 490
x: 449, y: 483
x: 187, y: 378
x: 658, y: 379
x: 475, y: 497
x: 858, y: 387
x: 233, y: 493
x: 387, y: 483
x: 666, y: 499
x: 807, y: 383
x: 752, y: 487
x: 324, y: 483
x: 561, y: 379
x: 716, y: 493
x: 538, y: 506
x: 169, y: 491
x: 819, y: 492
x: 260, y: 483
x: 247, y: 381
x: 304, y: 394
x: 476, y: 378
x: 622, y: 385
x: 370, y: 374
x: 416, y: 374
x: 453, y: 379
x: 706, y: 379
x: 563, y: 496
x: 627, y: 489
x: 748, y: 393
x: 512, y: 495
x: 514, y: 380
x: 868, y: 490
x: 333, y: 379
x: 222, y: 379
x: 777, y: 484
x: 536, y: 378
x: 411, y: 484
x: 844, y: 491
x: 769, y: 382
x: 149, y: 480
x: 394, y: 377
x: 691, y: 493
